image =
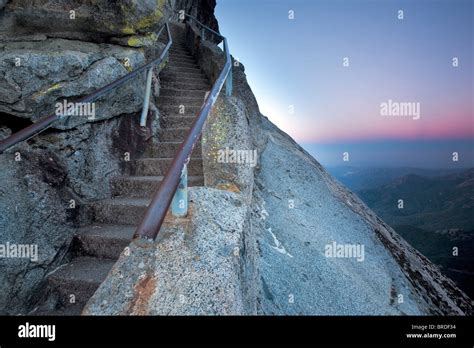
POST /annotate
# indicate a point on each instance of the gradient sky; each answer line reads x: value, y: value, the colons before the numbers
x: 299, y: 62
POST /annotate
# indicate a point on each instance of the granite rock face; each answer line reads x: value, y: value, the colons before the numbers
x: 299, y: 210
x: 102, y: 20
x: 46, y: 56
x: 227, y: 150
x: 39, y: 75
x: 44, y: 187
x: 92, y: 18
x: 193, y: 269
x: 257, y: 236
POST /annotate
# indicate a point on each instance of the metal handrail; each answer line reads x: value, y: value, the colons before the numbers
x: 46, y: 122
x: 156, y: 211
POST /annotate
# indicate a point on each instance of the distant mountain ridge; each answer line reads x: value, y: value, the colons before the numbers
x: 432, y: 203
x: 361, y: 178
x: 437, y: 216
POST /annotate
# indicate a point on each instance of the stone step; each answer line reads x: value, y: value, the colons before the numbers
x: 179, y: 42
x: 179, y: 51
x: 180, y: 54
x: 176, y: 74
x: 176, y: 121
x: 188, y: 80
x: 71, y: 310
x: 178, y: 45
x: 144, y: 186
x: 119, y: 210
x: 175, y: 67
x: 186, y: 84
x: 186, y: 101
x: 183, y: 59
x: 160, y: 166
x: 183, y: 65
x: 79, y: 279
x: 173, y: 134
x: 168, y: 149
x: 103, y: 241
x: 177, y: 71
x: 190, y: 110
x: 169, y: 92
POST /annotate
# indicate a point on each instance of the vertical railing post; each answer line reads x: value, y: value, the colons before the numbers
x: 228, y: 81
x: 146, y: 100
x: 179, y: 205
x: 228, y: 84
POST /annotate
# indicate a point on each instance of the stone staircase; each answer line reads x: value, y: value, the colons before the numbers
x: 96, y: 247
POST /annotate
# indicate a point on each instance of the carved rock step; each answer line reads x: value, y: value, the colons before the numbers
x: 79, y: 279
x: 186, y: 84
x: 159, y: 166
x: 172, y: 134
x: 144, y: 186
x: 175, y: 64
x: 172, y: 92
x: 169, y: 149
x: 182, y: 74
x: 183, y: 59
x: 171, y: 74
x: 180, y: 109
x: 180, y: 54
x: 176, y: 121
x: 121, y: 210
x: 180, y: 100
x: 103, y: 241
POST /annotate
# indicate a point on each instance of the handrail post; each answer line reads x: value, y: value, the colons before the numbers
x: 228, y: 81
x: 228, y: 84
x: 203, y: 34
x: 179, y: 205
x: 146, y: 100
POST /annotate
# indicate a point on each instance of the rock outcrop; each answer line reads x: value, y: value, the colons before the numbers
x: 291, y: 210
x: 259, y: 235
x: 49, y: 55
x: 39, y: 74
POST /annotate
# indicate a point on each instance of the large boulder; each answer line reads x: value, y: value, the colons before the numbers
x: 36, y: 75
x: 100, y: 18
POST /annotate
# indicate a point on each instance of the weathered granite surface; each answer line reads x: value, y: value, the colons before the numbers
x: 36, y: 75
x: 255, y: 239
x: 193, y: 269
x: 45, y: 57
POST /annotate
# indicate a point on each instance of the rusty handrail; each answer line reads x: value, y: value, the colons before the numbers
x: 46, y: 122
x: 156, y: 211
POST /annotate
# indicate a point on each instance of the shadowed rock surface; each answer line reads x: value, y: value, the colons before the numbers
x: 81, y: 161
